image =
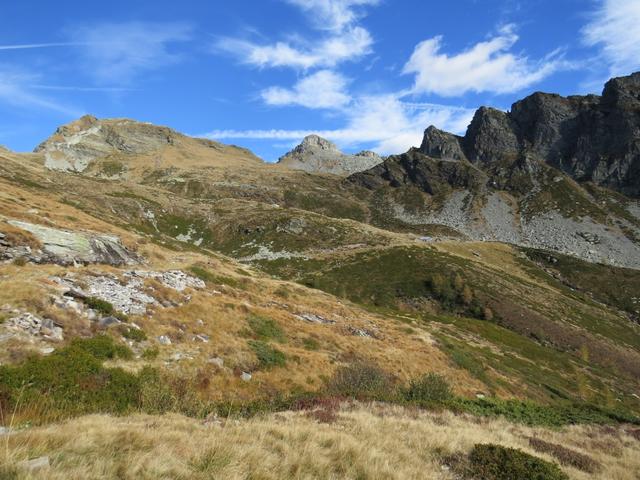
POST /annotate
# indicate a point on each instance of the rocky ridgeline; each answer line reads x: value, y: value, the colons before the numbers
x: 511, y: 177
x: 317, y: 155
x: 590, y: 138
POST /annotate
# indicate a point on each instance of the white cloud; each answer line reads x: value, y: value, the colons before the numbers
x: 488, y: 66
x: 332, y: 14
x: 380, y: 122
x: 117, y: 52
x: 28, y: 46
x: 350, y: 44
x: 323, y: 89
x: 615, y: 28
x: 15, y: 91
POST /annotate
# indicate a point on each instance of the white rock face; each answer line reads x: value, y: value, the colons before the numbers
x: 74, y: 146
x: 317, y: 155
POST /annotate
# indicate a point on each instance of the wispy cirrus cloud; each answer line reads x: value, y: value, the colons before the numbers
x: 614, y: 28
x: 383, y: 123
x: 488, y: 66
x: 333, y: 14
x: 15, y: 91
x: 118, y: 52
x: 29, y: 46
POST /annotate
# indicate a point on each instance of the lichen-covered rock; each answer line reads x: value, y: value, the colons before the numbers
x: 66, y: 248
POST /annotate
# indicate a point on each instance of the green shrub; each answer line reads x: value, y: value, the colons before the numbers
x: 99, y: 305
x: 530, y: 413
x: 266, y: 328
x: 430, y: 389
x: 102, y: 347
x: 310, y: 344
x: 363, y: 381
x: 494, y: 462
x: 268, y: 357
x: 72, y: 380
x: 135, y: 334
x: 151, y: 353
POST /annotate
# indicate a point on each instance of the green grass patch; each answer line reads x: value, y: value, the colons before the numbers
x: 209, y: 277
x: 265, y: 328
x: 268, y: 357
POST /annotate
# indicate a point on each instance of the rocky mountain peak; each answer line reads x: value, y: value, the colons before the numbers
x: 311, y: 142
x: 75, y: 145
x: 316, y: 154
x: 591, y: 138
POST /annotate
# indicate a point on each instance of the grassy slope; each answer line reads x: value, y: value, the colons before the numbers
x: 362, y: 441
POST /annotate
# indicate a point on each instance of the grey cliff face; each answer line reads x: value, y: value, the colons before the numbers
x: 316, y: 154
x: 590, y: 138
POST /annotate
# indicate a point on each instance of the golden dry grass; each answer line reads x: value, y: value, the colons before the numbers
x: 366, y: 442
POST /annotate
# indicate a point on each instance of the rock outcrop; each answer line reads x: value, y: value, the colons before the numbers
x: 67, y: 248
x: 433, y: 176
x: 590, y: 138
x: 317, y: 155
x: 76, y: 146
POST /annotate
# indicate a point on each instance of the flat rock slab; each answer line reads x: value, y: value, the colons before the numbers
x: 67, y: 248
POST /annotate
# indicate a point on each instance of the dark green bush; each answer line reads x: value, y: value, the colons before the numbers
x: 430, y: 389
x: 151, y: 353
x: 72, y: 380
x: 362, y: 381
x: 494, y: 462
x: 268, y: 357
x: 531, y: 413
x: 102, y: 347
x: 135, y: 334
x: 266, y: 328
x: 99, y: 305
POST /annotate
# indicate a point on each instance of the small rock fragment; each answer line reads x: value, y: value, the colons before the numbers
x: 35, y: 464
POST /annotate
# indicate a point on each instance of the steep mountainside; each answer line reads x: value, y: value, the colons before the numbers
x: 548, y: 174
x: 592, y: 139
x: 116, y: 146
x: 155, y: 273
x: 315, y: 154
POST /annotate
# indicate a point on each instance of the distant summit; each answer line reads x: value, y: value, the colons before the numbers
x: 318, y: 155
x: 79, y: 145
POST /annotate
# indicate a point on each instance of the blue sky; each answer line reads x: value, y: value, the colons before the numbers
x: 367, y: 74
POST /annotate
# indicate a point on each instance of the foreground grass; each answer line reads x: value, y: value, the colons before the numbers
x: 364, y: 441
